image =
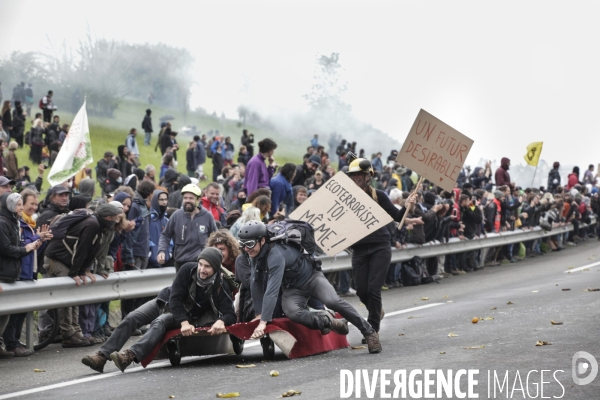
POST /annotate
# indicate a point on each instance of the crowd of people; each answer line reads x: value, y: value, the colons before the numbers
x: 214, y: 231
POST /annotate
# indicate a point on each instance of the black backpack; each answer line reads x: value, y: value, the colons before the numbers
x: 299, y: 234
x: 412, y: 271
x: 62, y: 222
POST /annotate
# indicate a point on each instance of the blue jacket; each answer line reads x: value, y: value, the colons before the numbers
x: 281, y: 192
x: 377, y: 164
x: 28, y: 235
x: 158, y: 222
x: 213, y: 148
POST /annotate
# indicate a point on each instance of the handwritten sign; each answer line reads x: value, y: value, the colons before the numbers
x: 435, y: 150
x: 341, y: 214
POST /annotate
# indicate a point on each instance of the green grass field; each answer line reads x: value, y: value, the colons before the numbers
x: 108, y: 133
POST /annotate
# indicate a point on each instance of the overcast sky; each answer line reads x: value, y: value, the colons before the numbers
x: 503, y: 73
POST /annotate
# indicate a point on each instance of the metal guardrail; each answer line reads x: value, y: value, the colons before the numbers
x: 29, y: 296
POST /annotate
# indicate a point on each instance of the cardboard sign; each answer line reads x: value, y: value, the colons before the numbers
x: 435, y: 150
x: 341, y: 214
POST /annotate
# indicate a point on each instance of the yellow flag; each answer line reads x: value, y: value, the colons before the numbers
x: 533, y: 153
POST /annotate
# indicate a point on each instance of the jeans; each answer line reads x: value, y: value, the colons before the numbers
x: 87, y: 318
x: 344, y: 281
x: 135, y: 319
x: 370, y: 265
x: 294, y: 304
x: 147, y: 138
x: 393, y: 272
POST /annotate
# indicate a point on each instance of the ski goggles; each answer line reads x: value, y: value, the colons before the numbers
x: 249, y: 243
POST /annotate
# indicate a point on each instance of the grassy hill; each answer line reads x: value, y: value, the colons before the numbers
x: 108, y: 133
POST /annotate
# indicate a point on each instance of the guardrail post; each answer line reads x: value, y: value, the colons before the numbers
x: 29, y: 330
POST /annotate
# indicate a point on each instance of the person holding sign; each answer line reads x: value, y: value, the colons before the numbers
x: 371, y: 255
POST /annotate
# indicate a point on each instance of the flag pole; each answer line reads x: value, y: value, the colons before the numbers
x: 406, y: 208
x: 534, y: 173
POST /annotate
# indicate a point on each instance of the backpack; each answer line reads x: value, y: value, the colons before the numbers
x: 41, y: 104
x: 299, y: 234
x: 411, y: 272
x: 62, y: 222
x: 208, y: 150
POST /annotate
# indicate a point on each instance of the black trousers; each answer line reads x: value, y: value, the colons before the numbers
x: 370, y: 265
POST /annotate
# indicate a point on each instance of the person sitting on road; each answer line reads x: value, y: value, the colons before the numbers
x: 288, y: 269
x: 198, y: 298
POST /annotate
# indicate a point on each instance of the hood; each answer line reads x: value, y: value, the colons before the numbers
x: 86, y: 187
x: 504, y: 163
x: 429, y: 199
x: 4, y: 211
x: 121, y: 151
x: 182, y: 181
x: 154, y: 202
x: 170, y: 176
x: 476, y: 171
x: 121, y: 196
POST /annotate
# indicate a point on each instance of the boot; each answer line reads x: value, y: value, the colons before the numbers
x: 5, y: 354
x: 75, y: 341
x: 123, y: 360
x: 96, y: 361
x: 333, y: 324
x: 373, y: 343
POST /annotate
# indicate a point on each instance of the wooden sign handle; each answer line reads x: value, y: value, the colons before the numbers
x: 406, y: 212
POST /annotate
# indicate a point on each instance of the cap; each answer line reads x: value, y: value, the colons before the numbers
x: 5, y: 181
x: 58, y: 189
x: 315, y: 159
x: 108, y: 210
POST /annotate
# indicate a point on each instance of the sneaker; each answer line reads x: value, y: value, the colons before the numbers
x: 384, y: 288
x: 137, y: 332
x: 460, y: 272
x: 347, y: 294
x: 5, y: 354
x: 454, y: 272
x: 21, y: 351
x: 123, y: 359
x: 106, y: 331
x: 99, y: 336
x: 75, y: 342
x: 96, y: 361
x: 93, y: 340
x: 373, y: 343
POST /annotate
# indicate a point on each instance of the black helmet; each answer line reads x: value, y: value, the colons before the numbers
x: 252, y: 230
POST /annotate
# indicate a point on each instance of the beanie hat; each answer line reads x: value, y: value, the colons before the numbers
x: 107, y: 210
x: 213, y: 256
x: 429, y: 197
x: 12, y: 200
x: 117, y: 204
x: 498, y: 194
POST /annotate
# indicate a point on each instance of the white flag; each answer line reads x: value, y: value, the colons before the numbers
x: 76, y: 151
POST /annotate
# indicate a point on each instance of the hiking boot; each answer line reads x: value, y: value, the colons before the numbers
x: 95, y: 362
x: 339, y: 326
x: 123, y: 360
x: 5, y: 354
x: 373, y: 343
x: 75, y: 342
x: 137, y: 332
x: 99, y: 336
x: 21, y: 351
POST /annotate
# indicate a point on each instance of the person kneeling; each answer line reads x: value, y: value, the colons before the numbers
x: 198, y: 298
x: 287, y: 268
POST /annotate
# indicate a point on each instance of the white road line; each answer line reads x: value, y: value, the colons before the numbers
x: 411, y: 309
x: 184, y: 360
x: 164, y: 363
x: 582, y: 268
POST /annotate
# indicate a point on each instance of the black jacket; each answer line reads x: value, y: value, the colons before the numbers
x: 188, y: 300
x: 147, y: 123
x: 302, y: 175
x: 382, y: 235
x: 11, y: 250
x: 471, y: 219
x: 87, y: 233
x: 18, y: 121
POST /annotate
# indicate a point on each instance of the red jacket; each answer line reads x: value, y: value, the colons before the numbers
x: 573, y: 180
x: 216, y: 211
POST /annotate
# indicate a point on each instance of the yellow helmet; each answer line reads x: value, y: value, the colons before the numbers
x: 192, y: 189
x: 361, y: 165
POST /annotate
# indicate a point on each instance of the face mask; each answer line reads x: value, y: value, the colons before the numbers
x: 242, y: 200
x: 119, y: 180
x: 70, y: 184
x: 163, y: 209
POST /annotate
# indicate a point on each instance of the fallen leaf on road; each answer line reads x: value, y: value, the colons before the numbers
x: 585, y: 269
x: 570, y: 267
x: 442, y: 352
x: 534, y: 291
x: 39, y: 370
x: 475, y: 320
x: 411, y: 317
x: 171, y: 397
x: 358, y: 347
x: 452, y: 334
x: 565, y: 289
x: 555, y: 323
x: 494, y: 308
x: 449, y: 301
x: 509, y: 303
x: 401, y: 334
x: 228, y: 395
x: 542, y: 343
x: 290, y: 393
x: 488, y: 318
x: 245, y: 366
x: 445, y: 297
x: 274, y: 373
x: 591, y: 290
x: 474, y: 347
x: 424, y: 298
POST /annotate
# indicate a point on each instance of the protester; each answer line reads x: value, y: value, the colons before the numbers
x: 147, y: 127
x: 258, y: 174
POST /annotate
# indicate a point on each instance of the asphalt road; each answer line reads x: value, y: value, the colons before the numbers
x: 413, y: 339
